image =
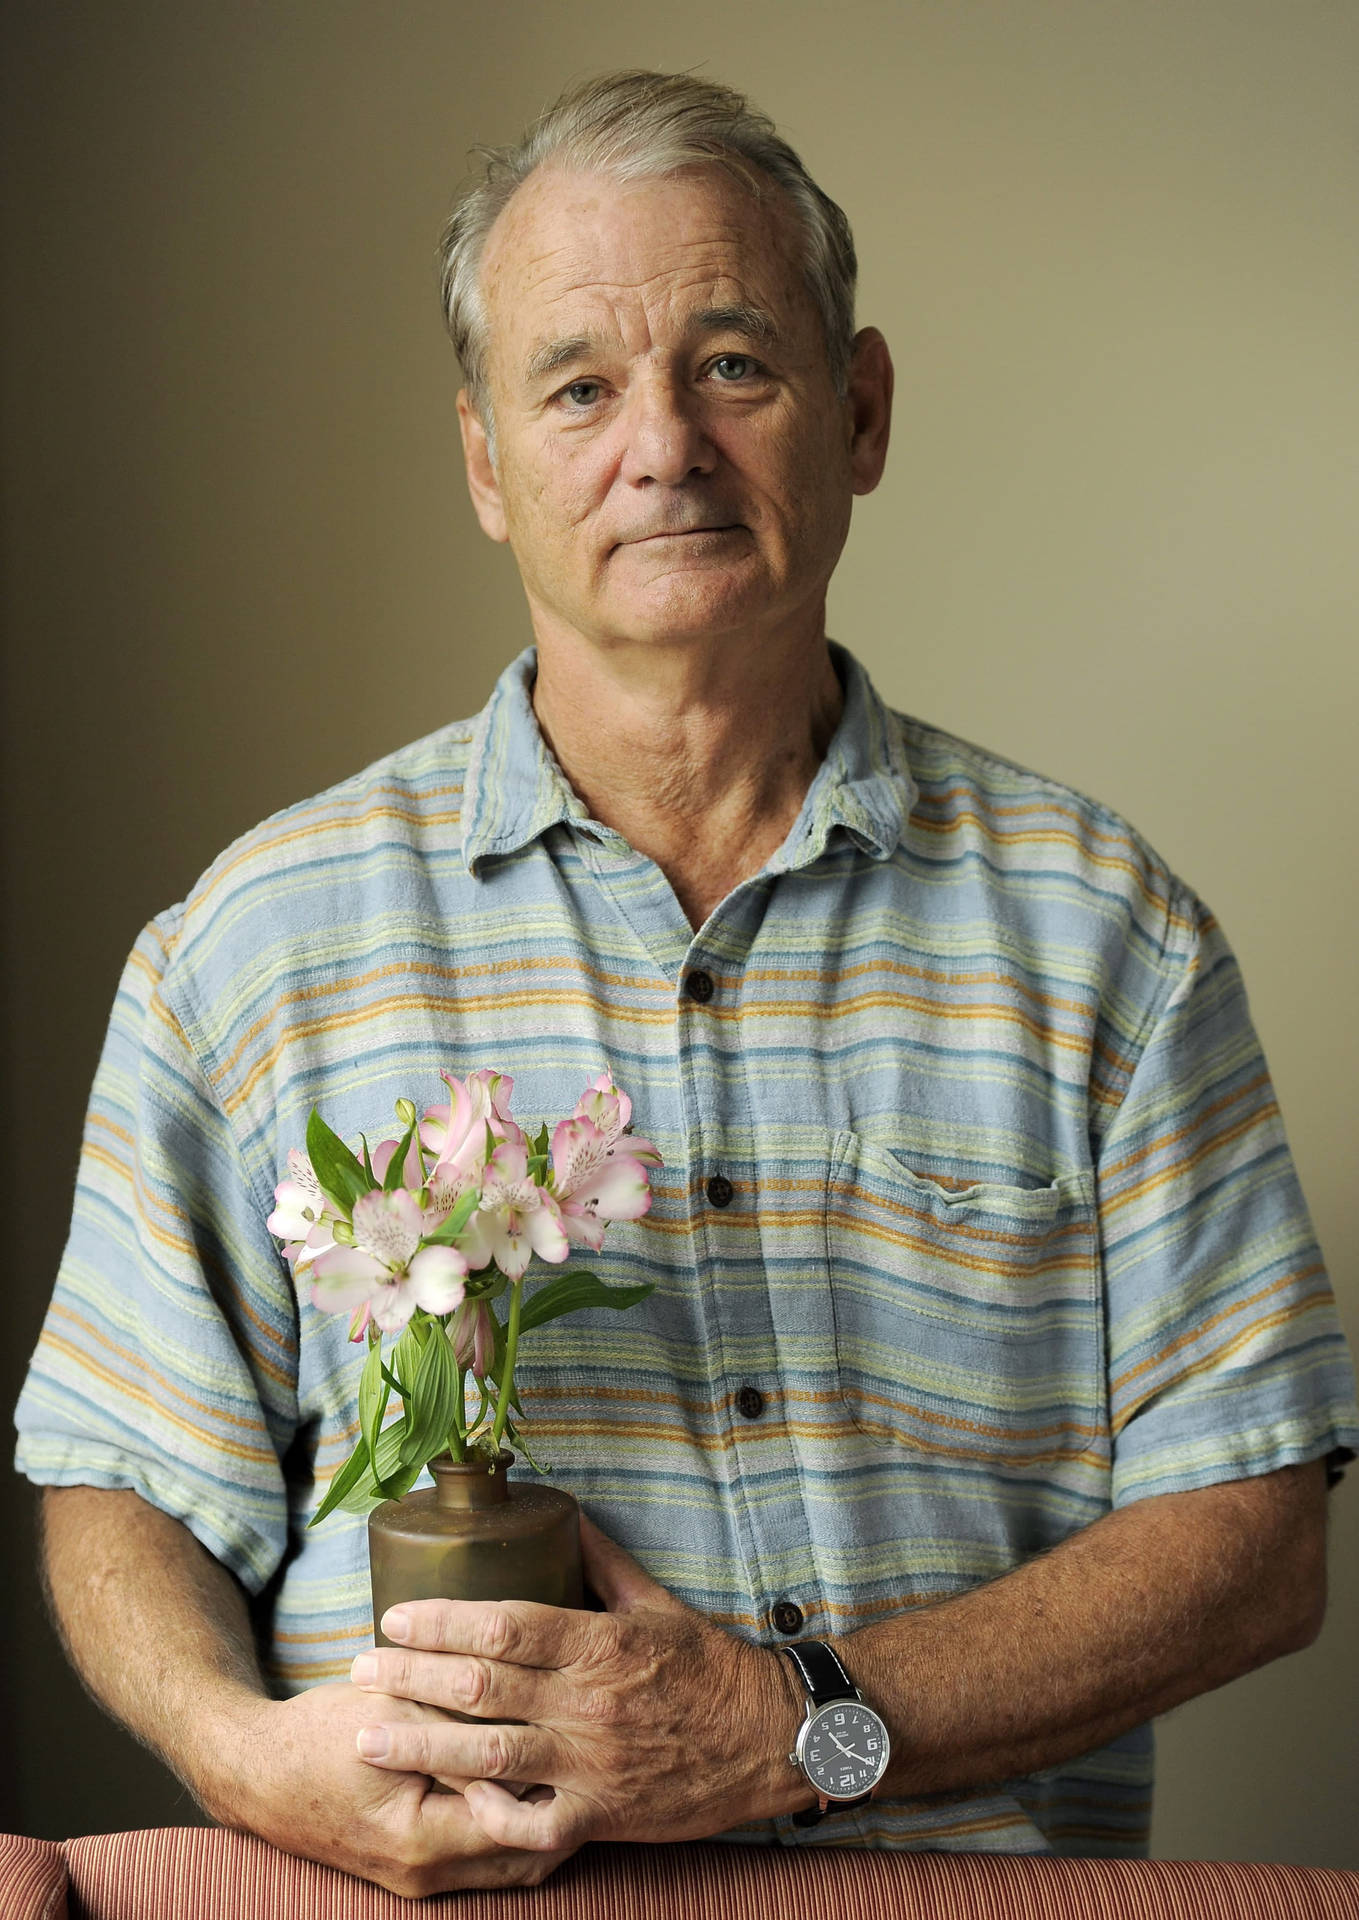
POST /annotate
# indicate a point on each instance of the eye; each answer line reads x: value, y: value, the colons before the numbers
x: 731, y: 367
x: 581, y: 393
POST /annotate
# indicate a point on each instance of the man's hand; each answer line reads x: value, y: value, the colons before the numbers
x: 643, y: 1723
x: 304, y: 1788
x: 161, y: 1634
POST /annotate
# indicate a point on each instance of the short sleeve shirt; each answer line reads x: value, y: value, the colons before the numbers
x: 977, y: 1217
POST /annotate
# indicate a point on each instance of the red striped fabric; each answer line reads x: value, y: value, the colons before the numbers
x: 213, y: 1874
x: 32, y: 1879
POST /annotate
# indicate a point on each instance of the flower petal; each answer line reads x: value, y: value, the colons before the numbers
x: 389, y: 1226
x: 543, y: 1230
x: 341, y: 1292
x: 619, y: 1190
x: 579, y: 1147
x: 435, y: 1278
x: 393, y: 1305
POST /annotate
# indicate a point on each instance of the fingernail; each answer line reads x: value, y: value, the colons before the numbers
x: 364, y: 1670
x: 396, y: 1624
x: 373, y: 1742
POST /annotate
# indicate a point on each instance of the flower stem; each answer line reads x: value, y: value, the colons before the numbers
x: 502, y: 1407
x: 456, y: 1433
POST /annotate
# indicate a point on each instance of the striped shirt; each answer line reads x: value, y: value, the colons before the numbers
x: 973, y: 1173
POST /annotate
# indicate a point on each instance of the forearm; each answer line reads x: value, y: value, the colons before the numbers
x: 160, y: 1633
x: 1146, y: 1608
x: 157, y: 1629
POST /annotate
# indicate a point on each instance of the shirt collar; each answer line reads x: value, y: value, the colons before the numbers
x: 514, y: 789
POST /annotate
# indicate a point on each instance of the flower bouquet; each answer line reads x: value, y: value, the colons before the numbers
x: 418, y: 1237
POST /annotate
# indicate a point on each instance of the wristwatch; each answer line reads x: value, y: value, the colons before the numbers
x: 842, y: 1745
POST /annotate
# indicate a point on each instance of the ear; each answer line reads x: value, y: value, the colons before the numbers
x: 871, y: 380
x: 482, y: 483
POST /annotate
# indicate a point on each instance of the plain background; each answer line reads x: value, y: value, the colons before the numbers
x: 1114, y: 245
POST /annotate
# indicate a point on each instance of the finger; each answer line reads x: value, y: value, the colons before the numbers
x: 461, y: 1683
x: 620, y: 1581
x: 456, y: 1751
x: 541, y: 1821
x: 522, y: 1632
x: 449, y: 1831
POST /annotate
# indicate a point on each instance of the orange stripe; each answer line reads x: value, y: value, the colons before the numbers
x: 1188, y: 1132
x: 128, y: 1390
x: 139, y: 1365
x: 1202, y: 1327
x: 327, y: 821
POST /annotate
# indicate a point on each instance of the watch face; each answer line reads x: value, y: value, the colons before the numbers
x: 843, y: 1749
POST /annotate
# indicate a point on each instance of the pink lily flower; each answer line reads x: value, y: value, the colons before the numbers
x: 599, y: 1169
x: 455, y: 1135
x: 484, y: 1097
x: 387, y: 1271
x: 472, y: 1331
x: 302, y: 1216
x: 610, y: 1109
x: 595, y: 1182
x: 515, y: 1219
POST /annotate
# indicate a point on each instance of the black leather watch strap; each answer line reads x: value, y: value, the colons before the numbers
x: 825, y: 1680
x: 822, y: 1675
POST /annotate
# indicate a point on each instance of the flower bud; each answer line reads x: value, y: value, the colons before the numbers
x: 342, y: 1232
x: 405, y: 1112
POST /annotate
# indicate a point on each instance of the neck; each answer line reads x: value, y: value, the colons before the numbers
x: 699, y: 755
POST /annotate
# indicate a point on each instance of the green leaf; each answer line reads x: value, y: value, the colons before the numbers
x: 542, y: 1143
x: 342, y: 1179
x: 406, y: 1356
x: 374, y: 1393
x: 343, y: 1481
x: 456, y: 1221
x: 432, y: 1403
x: 569, y: 1292
x: 396, y: 1166
x: 366, y: 1493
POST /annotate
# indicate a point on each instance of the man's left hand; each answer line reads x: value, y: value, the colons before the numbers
x: 645, y: 1722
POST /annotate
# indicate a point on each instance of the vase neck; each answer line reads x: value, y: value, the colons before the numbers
x: 471, y: 1483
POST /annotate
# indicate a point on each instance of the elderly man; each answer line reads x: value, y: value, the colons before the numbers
x: 991, y: 1364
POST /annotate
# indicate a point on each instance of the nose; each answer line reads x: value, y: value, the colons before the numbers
x: 667, y: 441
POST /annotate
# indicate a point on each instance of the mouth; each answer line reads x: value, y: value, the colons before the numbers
x: 684, y: 533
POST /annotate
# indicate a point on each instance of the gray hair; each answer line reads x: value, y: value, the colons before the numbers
x: 634, y: 125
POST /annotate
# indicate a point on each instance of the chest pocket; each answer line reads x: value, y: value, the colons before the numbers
x: 968, y: 1325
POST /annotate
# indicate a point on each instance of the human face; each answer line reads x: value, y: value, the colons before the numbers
x: 672, y: 460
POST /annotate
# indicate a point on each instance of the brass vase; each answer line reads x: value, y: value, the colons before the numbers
x: 475, y: 1535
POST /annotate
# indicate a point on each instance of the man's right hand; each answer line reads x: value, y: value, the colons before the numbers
x: 160, y: 1632
x: 295, y: 1778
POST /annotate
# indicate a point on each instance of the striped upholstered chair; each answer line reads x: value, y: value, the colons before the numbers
x: 195, y: 1873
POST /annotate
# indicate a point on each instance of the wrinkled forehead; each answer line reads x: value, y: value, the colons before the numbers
x: 580, y: 251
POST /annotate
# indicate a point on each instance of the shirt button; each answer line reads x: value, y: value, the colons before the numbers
x: 720, y: 1190
x: 787, y: 1618
x: 750, y: 1402
x: 699, y: 986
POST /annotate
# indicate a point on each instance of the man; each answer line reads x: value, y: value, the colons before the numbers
x: 990, y: 1346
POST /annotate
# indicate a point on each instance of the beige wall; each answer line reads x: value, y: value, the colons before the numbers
x: 1113, y: 247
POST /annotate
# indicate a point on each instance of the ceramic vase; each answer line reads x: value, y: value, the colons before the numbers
x: 475, y: 1535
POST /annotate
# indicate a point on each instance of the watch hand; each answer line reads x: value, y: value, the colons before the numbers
x: 862, y: 1758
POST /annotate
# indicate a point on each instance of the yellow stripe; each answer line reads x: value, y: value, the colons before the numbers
x: 218, y: 1443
